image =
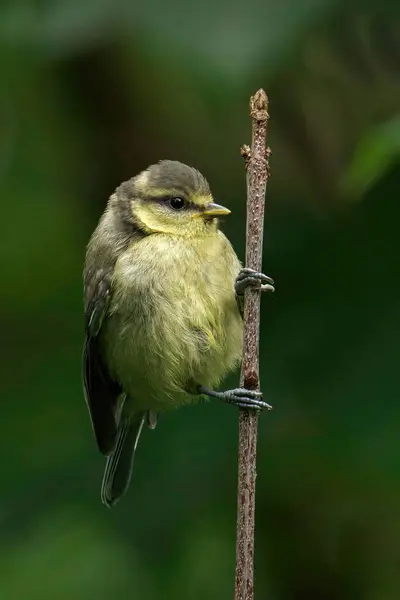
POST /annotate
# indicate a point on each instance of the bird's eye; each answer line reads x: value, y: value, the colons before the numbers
x: 176, y: 203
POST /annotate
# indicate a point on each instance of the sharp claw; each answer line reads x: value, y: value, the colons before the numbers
x: 248, y: 277
x: 267, y: 288
x: 249, y: 273
x: 254, y: 407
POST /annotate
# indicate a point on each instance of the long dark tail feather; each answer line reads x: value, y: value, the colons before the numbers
x: 118, y: 471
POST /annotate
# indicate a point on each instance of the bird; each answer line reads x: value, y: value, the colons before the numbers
x: 163, y: 304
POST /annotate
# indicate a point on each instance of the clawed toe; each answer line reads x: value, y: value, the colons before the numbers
x: 252, y: 406
x: 248, y: 277
x: 242, y: 392
x: 246, y: 272
x: 241, y: 397
x: 246, y: 399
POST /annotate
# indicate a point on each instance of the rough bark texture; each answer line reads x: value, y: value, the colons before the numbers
x: 257, y: 166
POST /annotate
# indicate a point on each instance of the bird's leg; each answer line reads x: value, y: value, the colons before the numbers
x: 248, y: 277
x: 239, y: 397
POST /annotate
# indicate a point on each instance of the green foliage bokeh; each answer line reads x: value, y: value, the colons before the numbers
x: 90, y: 94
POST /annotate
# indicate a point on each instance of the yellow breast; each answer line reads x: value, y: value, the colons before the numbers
x: 174, y: 320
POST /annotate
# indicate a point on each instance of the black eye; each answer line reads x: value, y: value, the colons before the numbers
x: 176, y: 203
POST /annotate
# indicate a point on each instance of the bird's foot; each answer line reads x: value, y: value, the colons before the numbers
x: 239, y: 397
x: 249, y: 277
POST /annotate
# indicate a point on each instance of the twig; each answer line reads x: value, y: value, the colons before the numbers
x: 257, y: 166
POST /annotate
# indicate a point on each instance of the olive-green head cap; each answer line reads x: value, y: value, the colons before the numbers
x: 174, y: 175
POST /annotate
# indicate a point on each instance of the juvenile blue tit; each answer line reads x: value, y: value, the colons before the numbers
x: 163, y: 293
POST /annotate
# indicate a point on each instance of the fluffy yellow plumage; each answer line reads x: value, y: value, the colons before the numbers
x: 163, y: 321
x: 174, y: 322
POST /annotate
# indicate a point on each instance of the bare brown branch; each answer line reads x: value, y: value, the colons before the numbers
x: 257, y: 168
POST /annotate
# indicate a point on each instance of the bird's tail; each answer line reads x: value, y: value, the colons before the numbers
x: 118, y: 471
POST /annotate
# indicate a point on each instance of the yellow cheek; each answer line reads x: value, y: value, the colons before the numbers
x: 147, y: 216
x: 153, y: 219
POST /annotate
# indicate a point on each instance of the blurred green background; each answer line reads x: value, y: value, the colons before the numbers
x: 90, y: 94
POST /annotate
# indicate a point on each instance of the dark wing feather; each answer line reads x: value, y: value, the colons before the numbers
x: 101, y: 392
x: 240, y: 303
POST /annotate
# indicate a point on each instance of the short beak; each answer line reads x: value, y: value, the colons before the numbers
x: 215, y: 210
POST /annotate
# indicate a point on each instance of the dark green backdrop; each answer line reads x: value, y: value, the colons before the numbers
x: 90, y: 94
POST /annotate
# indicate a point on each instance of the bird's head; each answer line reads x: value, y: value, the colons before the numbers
x: 170, y: 198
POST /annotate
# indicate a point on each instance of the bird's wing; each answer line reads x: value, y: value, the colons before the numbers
x: 101, y: 392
